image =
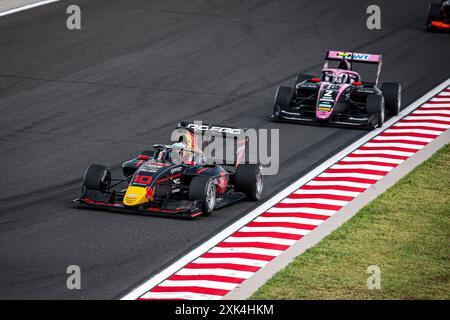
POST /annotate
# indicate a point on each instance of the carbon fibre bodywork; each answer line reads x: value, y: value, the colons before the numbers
x: 328, y: 103
x: 154, y: 183
x: 339, y: 96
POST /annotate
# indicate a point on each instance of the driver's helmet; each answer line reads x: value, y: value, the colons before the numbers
x: 328, y: 76
x: 179, y: 153
x: 160, y: 155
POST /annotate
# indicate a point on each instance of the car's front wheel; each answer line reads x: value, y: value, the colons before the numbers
x: 375, y: 111
x: 97, y: 177
x: 203, y: 188
x: 283, y: 98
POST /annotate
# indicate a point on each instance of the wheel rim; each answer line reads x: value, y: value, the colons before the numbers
x: 210, y: 196
x: 105, y: 181
x: 259, y: 184
x: 399, y: 100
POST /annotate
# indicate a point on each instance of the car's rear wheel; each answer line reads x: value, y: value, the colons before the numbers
x: 283, y: 99
x: 434, y: 13
x: 302, y: 77
x: 375, y: 111
x: 249, y: 180
x: 392, y: 93
x: 203, y: 188
x: 97, y: 177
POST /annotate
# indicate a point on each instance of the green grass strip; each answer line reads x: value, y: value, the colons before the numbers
x: 405, y: 232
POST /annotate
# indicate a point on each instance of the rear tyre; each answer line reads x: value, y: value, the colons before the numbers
x: 375, y: 111
x: 302, y: 77
x: 392, y: 93
x: 203, y: 188
x: 249, y: 180
x: 97, y: 177
x: 434, y: 13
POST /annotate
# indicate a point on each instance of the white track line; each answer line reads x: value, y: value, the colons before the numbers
x: 26, y: 7
x: 225, y: 234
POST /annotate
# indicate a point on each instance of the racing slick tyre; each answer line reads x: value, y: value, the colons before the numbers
x: 283, y: 99
x: 434, y: 13
x: 392, y: 93
x: 375, y: 110
x: 249, y: 180
x: 97, y: 177
x: 302, y: 77
x: 203, y: 188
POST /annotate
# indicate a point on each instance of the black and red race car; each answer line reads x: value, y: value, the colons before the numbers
x: 339, y: 97
x: 438, y: 16
x: 174, y: 179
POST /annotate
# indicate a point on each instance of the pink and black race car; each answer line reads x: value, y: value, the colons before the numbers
x: 439, y: 16
x: 339, y: 96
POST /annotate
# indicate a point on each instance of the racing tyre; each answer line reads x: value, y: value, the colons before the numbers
x: 375, y: 110
x: 434, y: 13
x: 283, y: 99
x: 203, y: 188
x: 302, y: 77
x: 392, y: 93
x: 249, y: 180
x: 97, y: 177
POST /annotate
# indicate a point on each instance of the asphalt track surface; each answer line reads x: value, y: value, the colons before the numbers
x: 103, y: 94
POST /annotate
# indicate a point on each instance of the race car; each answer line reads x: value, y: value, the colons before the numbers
x: 438, y: 16
x: 174, y: 179
x: 339, y: 96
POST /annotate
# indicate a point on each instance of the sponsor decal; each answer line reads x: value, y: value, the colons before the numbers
x: 151, y: 167
x: 204, y: 127
x: 354, y: 56
x: 358, y: 56
x: 175, y: 170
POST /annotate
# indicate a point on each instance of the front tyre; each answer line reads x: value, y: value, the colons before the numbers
x: 203, y: 188
x: 283, y: 99
x: 249, y: 180
x: 97, y: 177
x: 375, y: 111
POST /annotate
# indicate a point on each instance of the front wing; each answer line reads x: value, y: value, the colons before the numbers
x: 297, y: 117
x: 173, y: 208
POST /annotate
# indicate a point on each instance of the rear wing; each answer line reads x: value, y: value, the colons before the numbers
x: 355, y: 57
x: 201, y: 136
x: 200, y: 127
